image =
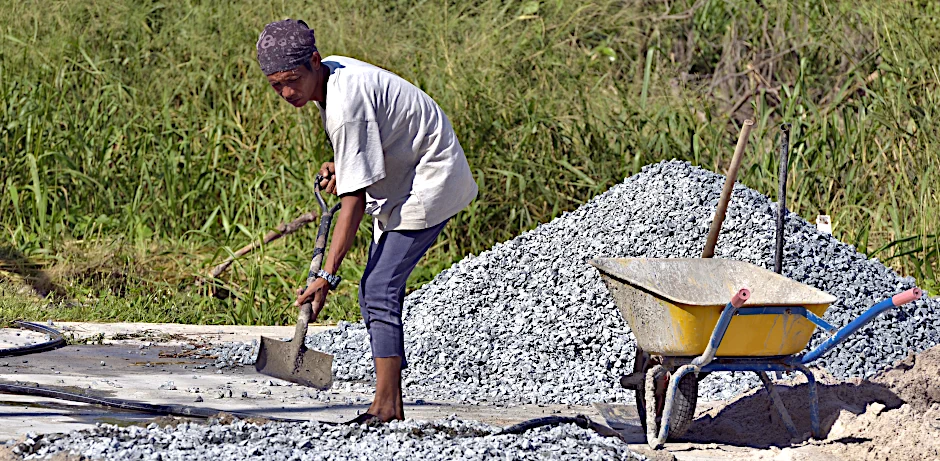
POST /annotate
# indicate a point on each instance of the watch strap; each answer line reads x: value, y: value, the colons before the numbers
x: 332, y: 280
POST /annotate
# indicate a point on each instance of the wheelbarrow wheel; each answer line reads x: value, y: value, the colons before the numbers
x: 683, y: 408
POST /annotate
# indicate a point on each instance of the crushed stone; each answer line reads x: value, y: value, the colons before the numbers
x: 529, y: 321
x: 445, y: 439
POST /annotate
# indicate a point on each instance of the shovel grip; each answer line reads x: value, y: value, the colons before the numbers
x: 323, y: 232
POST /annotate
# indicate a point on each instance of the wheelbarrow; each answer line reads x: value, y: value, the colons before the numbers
x: 692, y: 317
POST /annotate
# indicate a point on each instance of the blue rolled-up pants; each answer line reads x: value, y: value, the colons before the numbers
x: 382, y: 288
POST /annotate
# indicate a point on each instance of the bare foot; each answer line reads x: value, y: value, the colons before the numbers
x: 385, y: 413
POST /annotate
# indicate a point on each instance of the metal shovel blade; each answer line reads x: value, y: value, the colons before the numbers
x: 311, y: 368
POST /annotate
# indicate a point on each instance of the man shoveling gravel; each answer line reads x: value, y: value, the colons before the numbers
x: 396, y: 157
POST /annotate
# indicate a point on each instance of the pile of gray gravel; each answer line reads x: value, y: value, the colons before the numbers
x: 529, y: 321
x: 444, y: 440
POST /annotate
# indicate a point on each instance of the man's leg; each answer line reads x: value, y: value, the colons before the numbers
x: 390, y: 265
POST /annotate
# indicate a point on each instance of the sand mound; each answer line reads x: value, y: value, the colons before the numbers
x: 751, y: 419
x: 905, y: 433
x: 916, y: 379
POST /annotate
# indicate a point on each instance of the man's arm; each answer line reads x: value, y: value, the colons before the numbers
x: 350, y: 215
x: 354, y: 206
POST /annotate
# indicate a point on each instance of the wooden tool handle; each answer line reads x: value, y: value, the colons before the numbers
x: 303, y: 319
x: 730, y: 178
x: 323, y: 232
x: 782, y: 197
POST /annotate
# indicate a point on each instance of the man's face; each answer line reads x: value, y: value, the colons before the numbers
x: 296, y: 86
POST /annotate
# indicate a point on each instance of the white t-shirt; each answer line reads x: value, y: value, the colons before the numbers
x: 394, y: 141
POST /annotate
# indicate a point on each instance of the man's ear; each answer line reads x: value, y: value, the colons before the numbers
x: 315, y: 60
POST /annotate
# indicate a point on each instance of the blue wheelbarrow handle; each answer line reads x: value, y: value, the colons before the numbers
x: 893, y: 302
x: 721, y: 327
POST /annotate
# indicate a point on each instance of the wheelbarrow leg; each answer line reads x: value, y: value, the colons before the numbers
x: 651, y: 437
x: 813, y: 401
x: 781, y: 409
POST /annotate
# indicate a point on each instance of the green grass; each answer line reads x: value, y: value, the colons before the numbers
x: 140, y: 143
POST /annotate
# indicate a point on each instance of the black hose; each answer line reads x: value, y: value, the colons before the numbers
x: 130, y: 405
x: 782, y: 195
x: 581, y: 421
x: 55, y: 342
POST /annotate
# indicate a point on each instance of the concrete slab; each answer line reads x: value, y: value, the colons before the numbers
x: 15, y: 337
x: 121, y: 371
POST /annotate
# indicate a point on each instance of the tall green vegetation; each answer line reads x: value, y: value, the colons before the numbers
x: 139, y: 143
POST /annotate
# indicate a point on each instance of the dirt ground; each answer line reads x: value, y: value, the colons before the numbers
x: 893, y: 416
x: 910, y: 431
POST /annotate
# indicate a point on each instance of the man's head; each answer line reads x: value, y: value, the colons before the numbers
x: 288, y: 55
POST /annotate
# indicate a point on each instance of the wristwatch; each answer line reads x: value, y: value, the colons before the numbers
x: 331, y: 279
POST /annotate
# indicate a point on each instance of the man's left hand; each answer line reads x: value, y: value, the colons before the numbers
x: 316, y: 292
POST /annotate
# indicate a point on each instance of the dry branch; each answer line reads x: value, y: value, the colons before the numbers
x: 278, y: 232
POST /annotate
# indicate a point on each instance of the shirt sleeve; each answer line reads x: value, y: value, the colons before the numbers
x: 358, y: 156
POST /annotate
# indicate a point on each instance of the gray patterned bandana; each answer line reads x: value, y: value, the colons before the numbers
x: 285, y: 45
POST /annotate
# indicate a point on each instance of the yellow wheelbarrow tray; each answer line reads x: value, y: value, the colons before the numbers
x: 672, y: 305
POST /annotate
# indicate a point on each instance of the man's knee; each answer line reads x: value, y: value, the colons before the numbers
x: 381, y: 304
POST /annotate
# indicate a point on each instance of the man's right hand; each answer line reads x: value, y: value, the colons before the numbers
x: 328, y: 172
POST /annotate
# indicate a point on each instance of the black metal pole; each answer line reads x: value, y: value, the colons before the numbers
x: 782, y: 195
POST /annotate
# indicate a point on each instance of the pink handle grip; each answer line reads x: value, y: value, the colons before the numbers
x: 740, y: 297
x: 910, y: 295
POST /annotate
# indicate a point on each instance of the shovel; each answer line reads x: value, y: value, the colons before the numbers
x: 291, y: 360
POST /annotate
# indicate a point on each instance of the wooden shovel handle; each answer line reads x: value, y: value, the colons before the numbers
x: 730, y: 179
x: 323, y: 232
